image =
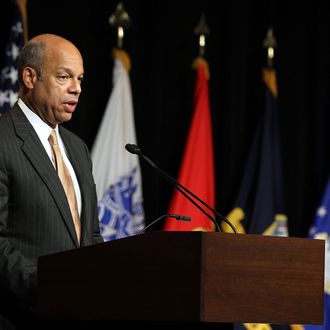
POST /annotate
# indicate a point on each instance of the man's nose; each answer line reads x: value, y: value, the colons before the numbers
x: 75, y: 86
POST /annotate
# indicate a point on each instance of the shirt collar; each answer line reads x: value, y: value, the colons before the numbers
x: 42, y: 129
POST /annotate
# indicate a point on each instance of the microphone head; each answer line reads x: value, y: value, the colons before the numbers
x: 133, y: 148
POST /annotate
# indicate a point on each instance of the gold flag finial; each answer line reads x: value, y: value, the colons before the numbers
x: 202, y: 30
x: 270, y: 43
x: 120, y: 20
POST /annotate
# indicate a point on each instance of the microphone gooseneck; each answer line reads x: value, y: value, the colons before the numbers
x: 134, y: 149
x: 175, y: 216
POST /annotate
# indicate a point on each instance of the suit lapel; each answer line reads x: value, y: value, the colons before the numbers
x: 35, y: 152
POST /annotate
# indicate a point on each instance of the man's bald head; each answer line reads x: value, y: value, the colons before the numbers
x: 51, y: 70
x: 39, y: 49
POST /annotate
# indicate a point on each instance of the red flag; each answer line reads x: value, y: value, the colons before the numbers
x: 197, y: 167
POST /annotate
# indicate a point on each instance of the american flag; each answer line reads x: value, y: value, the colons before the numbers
x: 9, y: 73
x: 321, y: 230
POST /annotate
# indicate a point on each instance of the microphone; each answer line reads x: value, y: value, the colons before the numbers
x: 134, y: 149
x: 176, y: 216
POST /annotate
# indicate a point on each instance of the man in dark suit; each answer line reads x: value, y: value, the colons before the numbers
x: 35, y: 216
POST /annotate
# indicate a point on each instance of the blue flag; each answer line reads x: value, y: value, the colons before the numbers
x: 259, y: 206
x: 321, y: 230
x: 9, y: 73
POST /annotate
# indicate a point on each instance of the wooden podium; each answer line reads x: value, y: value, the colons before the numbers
x: 187, y: 276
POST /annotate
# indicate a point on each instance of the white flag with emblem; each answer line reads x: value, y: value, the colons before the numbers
x: 117, y: 172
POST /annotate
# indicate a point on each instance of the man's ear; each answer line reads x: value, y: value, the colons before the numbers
x: 29, y: 76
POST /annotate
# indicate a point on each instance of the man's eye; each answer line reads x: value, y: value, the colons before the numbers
x: 63, y: 77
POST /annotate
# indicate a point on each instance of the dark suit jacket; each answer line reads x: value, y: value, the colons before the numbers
x: 35, y: 217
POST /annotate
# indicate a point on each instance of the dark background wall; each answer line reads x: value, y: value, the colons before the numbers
x: 162, y: 46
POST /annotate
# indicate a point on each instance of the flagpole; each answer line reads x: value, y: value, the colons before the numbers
x: 120, y: 20
x: 197, y: 164
x: 22, y: 6
x: 269, y: 74
x: 117, y: 174
x: 270, y: 44
x: 202, y: 31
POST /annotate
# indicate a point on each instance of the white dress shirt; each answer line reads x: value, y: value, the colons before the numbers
x: 43, y: 131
